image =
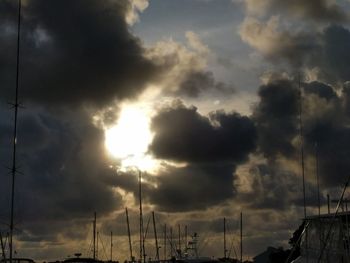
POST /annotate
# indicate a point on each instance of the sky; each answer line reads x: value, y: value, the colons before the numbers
x: 200, y: 96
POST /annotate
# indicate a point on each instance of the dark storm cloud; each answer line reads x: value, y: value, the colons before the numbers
x: 178, y: 189
x: 73, y: 52
x: 194, y: 187
x: 320, y: 89
x: 334, y: 59
x: 276, y: 117
x: 200, y: 81
x: 182, y: 134
x: 62, y: 165
x: 211, y: 146
x: 325, y: 122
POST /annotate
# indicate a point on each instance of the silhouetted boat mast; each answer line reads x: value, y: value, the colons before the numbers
x: 241, y: 235
x: 2, y: 248
x: 129, y: 235
x: 155, y: 236
x: 16, y: 107
x: 302, y: 142
x: 111, y: 246
x: 165, y: 241
x: 94, y: 237
x: 225, y: 250
x: 142, y: 245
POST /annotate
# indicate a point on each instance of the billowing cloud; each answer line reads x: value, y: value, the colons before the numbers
x: 182, y: 134
x: 277, y: 44
x: 318, y: 10
x: 62, y: 166
x: 194, y: 187
x: 82, y: 53
x: 323, y: 51
x: 135, y: 7
x: 325, y: 121
x: 86, y: 54
x: 186, y: 72
x: 277, y: 114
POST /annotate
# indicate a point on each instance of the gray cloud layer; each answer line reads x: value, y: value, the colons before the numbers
x: 76, y: 51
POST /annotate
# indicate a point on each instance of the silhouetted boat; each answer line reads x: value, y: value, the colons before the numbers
x: 191, y: 254
x: 325, y: 239
x: 18, y: 260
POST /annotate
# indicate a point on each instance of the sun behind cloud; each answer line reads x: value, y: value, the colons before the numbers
x: 128, y: 140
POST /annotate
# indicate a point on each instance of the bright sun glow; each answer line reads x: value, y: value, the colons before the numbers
x: 129, y: 139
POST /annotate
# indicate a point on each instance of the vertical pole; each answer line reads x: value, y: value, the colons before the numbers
x: 302, y: 144
x: 129, y: 235
x: 165, y: 239
x: 2, y: 248
x: 317, y: 181
x: 94, y: 236
x: 111, y: 246
x: 328, y: 205
x: 241, y: 234
x: 171, y: 242
x: 155, y: 236
x: 179, y: 230
x: 98, y: 236
x: 141, y: 217
x: 186, y: 238
x: 225, y: 238
x: 16, y: 105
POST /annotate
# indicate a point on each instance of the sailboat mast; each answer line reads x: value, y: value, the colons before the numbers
x: 179, y: 232
x: 241, y: 234
x: 94, y: 236
x: 171, y: 242
x: 225, y: 238
x: 98, y: 237
x: 186, y: 238
x: 155, y: 236
x: 2, y: 248
x: 111, y: 246
x: 165, y: 239
x: 16, y: 106
x: 129, y: 235
x: 302, y: 143
x: 317, y: 181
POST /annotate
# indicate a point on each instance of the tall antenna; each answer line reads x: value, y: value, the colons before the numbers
x: 16, y: 106
x: 302, y: 142
x: 129, y: 235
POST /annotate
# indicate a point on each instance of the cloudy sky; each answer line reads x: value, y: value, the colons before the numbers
x: 202, y: 96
